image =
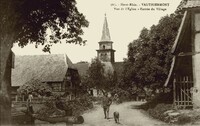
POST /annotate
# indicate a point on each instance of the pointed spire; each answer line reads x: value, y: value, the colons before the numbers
x: 105, y: 32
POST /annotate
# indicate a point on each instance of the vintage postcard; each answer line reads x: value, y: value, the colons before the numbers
x: 100, y: 62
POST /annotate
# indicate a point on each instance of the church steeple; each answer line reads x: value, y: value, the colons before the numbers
x: 105, y: 32
x: 106, y: 53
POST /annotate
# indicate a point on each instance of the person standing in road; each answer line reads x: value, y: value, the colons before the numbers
x: 106, y: 102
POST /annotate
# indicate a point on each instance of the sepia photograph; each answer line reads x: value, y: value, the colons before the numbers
x: 100, y: 62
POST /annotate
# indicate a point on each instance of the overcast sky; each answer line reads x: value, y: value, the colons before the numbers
x: 124, y: 25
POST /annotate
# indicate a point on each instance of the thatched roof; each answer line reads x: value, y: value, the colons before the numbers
x: 182, y: 29
x: 46, y: 68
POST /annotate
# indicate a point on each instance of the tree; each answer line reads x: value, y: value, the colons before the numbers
x: 96, y: 75
x: 149, y: 56
x: 26, y: 21
x: 99, y: 78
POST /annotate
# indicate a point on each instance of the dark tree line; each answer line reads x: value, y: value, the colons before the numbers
x: 149, y: 57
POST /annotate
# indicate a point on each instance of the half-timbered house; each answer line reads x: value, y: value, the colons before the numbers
x: 184, y: 76
x: 56, y: 70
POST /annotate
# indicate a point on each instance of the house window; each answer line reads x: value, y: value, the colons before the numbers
x: 63, y: 87
x: 56, y: 86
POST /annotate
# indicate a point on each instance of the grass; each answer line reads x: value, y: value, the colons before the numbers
x: 157, y: 106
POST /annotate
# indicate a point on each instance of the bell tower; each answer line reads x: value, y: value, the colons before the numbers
x: 106, y: 52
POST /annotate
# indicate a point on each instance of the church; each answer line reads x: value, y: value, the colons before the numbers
x: 105, y: 53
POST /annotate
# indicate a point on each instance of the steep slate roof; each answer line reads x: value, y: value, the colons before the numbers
x: 105, y: 32
x: 82, y: 67
x: 42, y: 67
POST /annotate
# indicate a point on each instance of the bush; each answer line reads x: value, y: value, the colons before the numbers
x: 97, y: 100
x: 165, y: 98
x: 49, y: 109
x: 166, y: 113
x: 35, y: 87
x: 158, y: 105
x: 61, y: 107
x: 79, y: 105
x: 123, y: 95
x: 184, y: 119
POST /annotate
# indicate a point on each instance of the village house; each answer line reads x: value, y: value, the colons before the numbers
x: 184, y: 76
x: 56, y: 70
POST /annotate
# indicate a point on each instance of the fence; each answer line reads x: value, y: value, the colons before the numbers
x: 38, y: 101
x: 182, y: 86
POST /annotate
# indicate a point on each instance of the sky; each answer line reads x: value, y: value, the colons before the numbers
x: 126, y: 18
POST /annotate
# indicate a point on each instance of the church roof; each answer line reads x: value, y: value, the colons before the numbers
x: 118, y: 67
x: 105, y: 32
x: 108, y: 66
x: 82, y: 68
x: 45, y: 68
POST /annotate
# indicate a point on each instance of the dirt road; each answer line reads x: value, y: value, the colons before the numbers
x: 129, y: 116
